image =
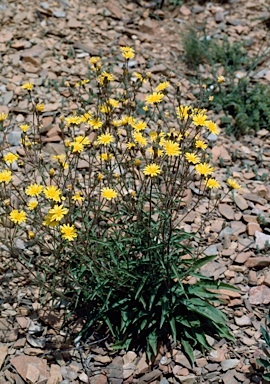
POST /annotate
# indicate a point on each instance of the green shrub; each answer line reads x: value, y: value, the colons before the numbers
x: 104, y: 215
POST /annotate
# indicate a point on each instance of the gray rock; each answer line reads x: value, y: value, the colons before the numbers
x: 261, y: 239
x: 229, y: 364
x: 14, y: 138
x: 211, y: 251
x: 164, y: 381
x: 212, y: 137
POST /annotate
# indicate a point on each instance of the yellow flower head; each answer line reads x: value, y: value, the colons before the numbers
x: 17, y: 217
x: 139, y: 125
x: 105, y: 77
x: 28, y: 86
x: 221, y: 79
x: 138, y: 138
x: 5, y: 176
x: 82, y: 140
x: 114, y: 103
x: 31, y: 235
x: 127, y: 52
x: 53, y: 193
x: 10, y: 157
x: 77, y: 147
x: 73, y: 120
x: 106, y: 156
x: 95, y: 123
x: 58, y: 212
x: 77, y: 197
x: 24, y: 127
x: 68, y: 232
x: 199, y: 119
x: 137, y: 162
x: 105, y: 139
x: 40, y: 107
x: 104, y: 108
x: 171, y: 148
x: 204, y: 169
x: 32, y: 204
x: 192, y: 158
x: 152, y: 170
x: 108, y: 193
x: 212, y: 127
x: 162, y: 86
x: 212, y: 183
x: 233, y: 184
x: 48, y: 222
x: 34, y: 190
x: 3, y: 116
x: 139, y: 76
x: 200, y: 144
x: 94, y: 60
x: 183, y: 112
x: 154, y: 98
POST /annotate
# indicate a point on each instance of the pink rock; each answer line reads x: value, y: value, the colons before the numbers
x: 258, y: 262
x: 226, y: 211
x: 21, y: 365
x: 252, y: 228
x: 259, y: 295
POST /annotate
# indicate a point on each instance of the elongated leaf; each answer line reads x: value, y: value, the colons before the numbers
x: 187, y: 349
x: 200, y: 262
x: 263, y: 362
x: 266, y: 335
x: 206, y: 310
x: 266, y: 376
x: 173, y: 329
x: 152, y: 341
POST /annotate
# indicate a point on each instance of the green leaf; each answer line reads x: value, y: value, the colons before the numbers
x: 187, y: 349
x: 152, y: 342
x: 266, y: 376
x: 266, y: 335
x: 200, y: 262
x: 263, y: 362
x: 173, y: 329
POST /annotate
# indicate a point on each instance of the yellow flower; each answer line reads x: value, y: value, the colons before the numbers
x: 32, y: 204
x: 183, y: 112
x: 77, y: 147
x: 17, y: 217
x: 77, y: 197
x: 58, y: 212
x: 53, y: 193
x: 192, y: 158
x: 31, y: 235
x: 145, y: 108
x: 94, y: 60
x: 127, y: 52
x: 157, y: 152
x: 199, y: 119
x: 40, y: 107
x: 171, y: 148
x: 5, y: 176
x: 220, y: 79
x: 139, y: 125
x: 138, y: 138
x: 105, y: 77
x: 114, y: 103
x: 233, y: 184
x: 152, y: 170
x: 82, y: 140
x: 108, y: 193
x: 68, y: 232
x: 106, y: 156
x: 105, y: 139
x: 153, y: 135
x: 200, y: 144
x: 139, y: 76
x: 104, y: 108
x: 100, y: 177
x: 10, y: 157
x: 204, y: 169
x: 154, y: 98
x: 95, y: 123
x: 28, y: 86
x: 76, y: 120
x: 24, y: 127
x: 212, y: 183
x: 137, y: 162
x: 3, y: 116
x: 48, y: 222
x: 162, y: 86
x: 51, y: 172
x: 212, y: 127
x: 211, y: 98
x: 130, y: 145
x: 34, y: 190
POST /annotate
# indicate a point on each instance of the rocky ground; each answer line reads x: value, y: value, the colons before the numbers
x: 51, y: 41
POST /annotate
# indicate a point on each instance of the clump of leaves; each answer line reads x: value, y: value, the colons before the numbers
x: 246, y: 107
x: 265, y: 361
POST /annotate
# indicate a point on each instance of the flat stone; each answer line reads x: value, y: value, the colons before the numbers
x: 182, y: 360
x: 229, y: 364
x: 258, y: 262
x: 259, y: 295
x: 14, y: 138
x: 261, y: 239
x: 242, y: 257
x: 32, y: 373
x: 242, y: 321
x: 238, y: 227
x: 252, y: 228
x: 128, y: 370
x: 20, y: 363
x: 267, y: 279
x: 226, y: 211
x: 241, y: 202
x: 229, y: 378
x: 142, y: 366
x: 250, y: 219
x: 3, y: 354
x: 98, y: 379
x: 103, y: 359
x: 189, y: 379
x: 211, y: 251
x: 115, y: 369
x: 150, y: 376
x: 129, y: 357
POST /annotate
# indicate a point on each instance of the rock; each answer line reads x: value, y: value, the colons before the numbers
x: 189, y: 379
x: 229, y: 364
x: 219, y: 17
x: 242, y: 257
x: 184, y: 10
x: 3, y: 354
x: 252, y: 278
x: 14, y: 138
x: 32, y: 373
x: 258, y: 262
x: 267, y: 279
x: 182, y: 360
x: 261, y: 239
x: 242, y: 321
x: 211, y: 251
x: 142, y: 366
x: 226, y: 211
x: 216, y: 225
x: 150, y: 376
x: 20, y: 363
x: 212, y: 367
x: 238, y: 227
x: 229, y: 378
x: 255, y: 198
x: 250, y: 219
x: 201, y: 362
x: 55, y: 374
x: 129, y: 357
x: 115, y: 369
x: 98, y: 379
x: 252, y: 228
x: 103, y: 359
x: 128, y: 370
x: 163, y: 381
x: 259, y: 295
